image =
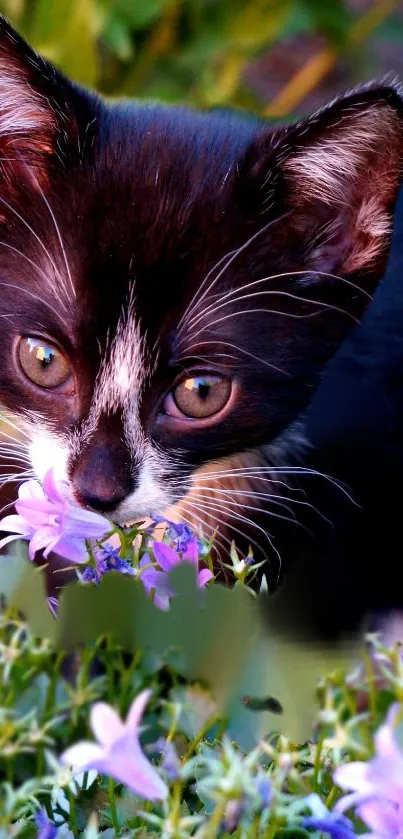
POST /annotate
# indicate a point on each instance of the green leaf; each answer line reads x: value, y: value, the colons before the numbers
x: 66, y: 32
x: 23, y: 586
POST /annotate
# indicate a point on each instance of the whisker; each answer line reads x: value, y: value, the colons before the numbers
x: 211, y: 506
x: 233, y: 257
x: 31, y: 294
x: 240, y: 349
x: 31, y: 230
x: 257, y: 509
x: 6, y: 418
x: 31, y: 262
x: 230, y: 294
x: 278, y: 312
x: 59, y: 236
x: 273, y: 499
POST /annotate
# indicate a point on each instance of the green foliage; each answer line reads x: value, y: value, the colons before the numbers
x: 193, y: 50
x: 218, y: 789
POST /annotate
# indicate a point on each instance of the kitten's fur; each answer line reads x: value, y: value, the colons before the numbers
x: 148, y: 242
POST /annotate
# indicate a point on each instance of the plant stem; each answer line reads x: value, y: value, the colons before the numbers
x: 112, y: 804
x: 212, y: 830
x: 73, y: 816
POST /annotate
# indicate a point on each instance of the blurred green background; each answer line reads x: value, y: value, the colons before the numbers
x: 279, y: 57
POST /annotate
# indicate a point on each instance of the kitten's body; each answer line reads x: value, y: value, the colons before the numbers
x: 149, y: 253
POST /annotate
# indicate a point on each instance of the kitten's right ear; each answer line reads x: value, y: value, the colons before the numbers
x: 39, y: 108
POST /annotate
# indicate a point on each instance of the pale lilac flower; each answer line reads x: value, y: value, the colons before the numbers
x: 377, y: 784
x: 118, y: 752
x: 156, y: 578
x: 51, y: 522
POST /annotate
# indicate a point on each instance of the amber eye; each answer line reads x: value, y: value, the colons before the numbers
x: 42, y: 363
x: 202, y: 396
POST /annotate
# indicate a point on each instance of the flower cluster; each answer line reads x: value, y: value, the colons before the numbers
x: 50, y: 520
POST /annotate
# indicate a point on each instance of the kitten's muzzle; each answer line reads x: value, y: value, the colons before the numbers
x: 101, y: 479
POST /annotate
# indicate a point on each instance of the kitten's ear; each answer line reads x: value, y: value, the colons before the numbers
x: 338, y: 173
x: 39, y: 108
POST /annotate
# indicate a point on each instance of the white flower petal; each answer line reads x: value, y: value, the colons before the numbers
x: 106, y: 723
x: 31, y: 489
x: 82, y: 755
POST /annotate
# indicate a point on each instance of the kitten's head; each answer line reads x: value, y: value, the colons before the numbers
x: 173, y: 283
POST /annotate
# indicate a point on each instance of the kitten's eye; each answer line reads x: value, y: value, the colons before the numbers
x: 201, y: 396
x: 42, y: 363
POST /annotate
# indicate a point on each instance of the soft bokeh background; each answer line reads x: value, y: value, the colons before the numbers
x: 278, y: 57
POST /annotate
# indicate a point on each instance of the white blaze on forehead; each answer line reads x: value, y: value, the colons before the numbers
x: 123, y: 372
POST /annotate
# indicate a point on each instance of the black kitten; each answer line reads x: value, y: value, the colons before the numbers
x: 173, y: 283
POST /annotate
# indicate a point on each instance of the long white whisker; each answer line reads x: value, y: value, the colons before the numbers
x: 31, y: 294
x: 241, y: 505
x: 241, y: 350
x: 59, y: 236
x: 230, y: 294
x: 31, y: 262
x: 232, y: 258
x: 5, y: 418
x: 211, y: 506
x: 31, y: 230
x: 277, y: 500
x: 277, y: 312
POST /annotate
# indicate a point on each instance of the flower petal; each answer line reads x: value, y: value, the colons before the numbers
x: 106, y: 723
x: 166, y: 557
x: 16, y: 524
x: 54, y: 490
x: 381, y: 816
x: 136, y: 711
x: 191, y: 553
x: 31, y: 489
x: 40, y: 540
x: 203, y: 577
x: 85, y: 524
x: 69, y: 548
x: 36, y: 512
x: 83, y: 755
x: 355, y: 775
x: 127, y: 763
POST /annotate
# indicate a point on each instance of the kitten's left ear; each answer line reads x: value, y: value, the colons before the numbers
x: 337, y: 174
x: 40, y: 110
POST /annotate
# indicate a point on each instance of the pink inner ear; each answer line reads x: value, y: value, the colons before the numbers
x: 26, y: 118
x: 353, y: 169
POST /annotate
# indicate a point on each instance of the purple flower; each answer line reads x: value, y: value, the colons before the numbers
x: 179, y: 535
x: 263, y: 789
x: 157, y: 578
x: 118, y: 752
x: 46, y: 828
x: 377, y: 784
x: 106, y: 559
x: 51, y: 522
x: 334, y: 824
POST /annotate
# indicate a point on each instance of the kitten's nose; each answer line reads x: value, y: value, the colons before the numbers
x: 101, y: 480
